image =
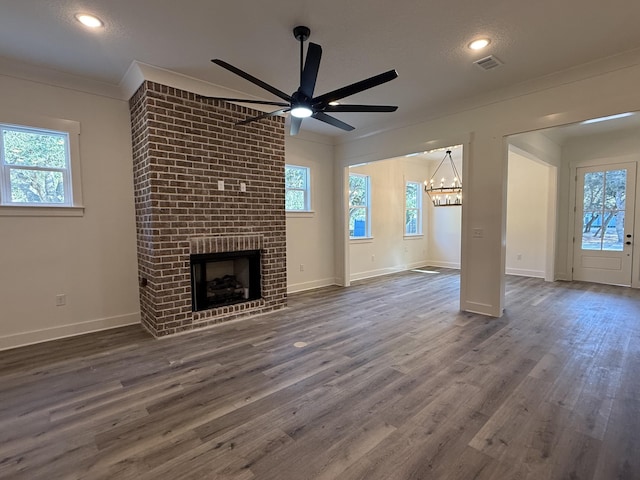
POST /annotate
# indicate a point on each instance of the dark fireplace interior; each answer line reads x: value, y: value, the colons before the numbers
x: 219, y: 279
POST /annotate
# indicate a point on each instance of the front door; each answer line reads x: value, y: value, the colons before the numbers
x: 603, y: 243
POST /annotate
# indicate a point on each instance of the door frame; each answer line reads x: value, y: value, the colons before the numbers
x: 605, y: 161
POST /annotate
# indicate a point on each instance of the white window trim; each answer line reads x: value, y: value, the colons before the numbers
x: 419, y: 210
x: 306, y: 191
x: 368, y: 235
x: 72, y: 129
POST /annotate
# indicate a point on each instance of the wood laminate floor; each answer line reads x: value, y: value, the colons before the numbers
x: 394, y: 383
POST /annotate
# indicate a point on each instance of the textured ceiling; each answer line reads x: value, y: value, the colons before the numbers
x: 424, y: 40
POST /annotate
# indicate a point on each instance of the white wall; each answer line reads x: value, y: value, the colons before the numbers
x: 595, y: 90
x: 527, y: 212
x: 310, y: 235
x: 389, y: 250
x: 91, y: 259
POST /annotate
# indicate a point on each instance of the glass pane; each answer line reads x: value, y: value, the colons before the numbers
x: 295, y: 177
x: 616, y: 189
x: 36, y: 186
x: 412, y: 195
x: 613, y: 231
x: 357, y: 222
x: 411, y: 222
x: 593, y: 191
x: 35, y: 149
x: 294, y: 200
x: 592, y: 230
x: 604, y: 210
x: 357, y: 190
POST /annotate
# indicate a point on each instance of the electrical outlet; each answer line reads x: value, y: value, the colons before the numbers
x: 373, y: 258
x: 61, y: 299
x: 243, y: 187
x: 302, y: 267
x: 220, y: 184
x: 519, y: 256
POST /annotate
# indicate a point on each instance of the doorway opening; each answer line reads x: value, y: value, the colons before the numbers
x: 393, y: 225
x: 597, y: 213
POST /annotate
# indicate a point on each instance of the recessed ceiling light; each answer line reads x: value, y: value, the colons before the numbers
x: 479, y: 44
x: 90, y: 21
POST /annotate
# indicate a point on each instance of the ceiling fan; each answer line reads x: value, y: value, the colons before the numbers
x: 302, y: 104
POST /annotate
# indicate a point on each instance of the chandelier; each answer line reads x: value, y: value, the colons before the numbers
x: 446, y: 193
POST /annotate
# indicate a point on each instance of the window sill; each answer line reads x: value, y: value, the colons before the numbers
x: 40, y: 211
x: 413, y: 236
x: 360, y: 239
x: 301, y: 213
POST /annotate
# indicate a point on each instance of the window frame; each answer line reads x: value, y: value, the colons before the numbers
x: 306, y: 190
x: 71, y: 175
x: 366, y: 207
x: 418, y: 209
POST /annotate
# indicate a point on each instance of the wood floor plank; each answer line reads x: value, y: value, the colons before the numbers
x: 394, y: 383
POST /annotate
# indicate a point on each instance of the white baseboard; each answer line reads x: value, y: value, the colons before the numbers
x: 387, y: 271
x: 63, y: 331
x: 301, y: 287
x: 481, y: 308
x: 438, y: 263
x: 521, y: 272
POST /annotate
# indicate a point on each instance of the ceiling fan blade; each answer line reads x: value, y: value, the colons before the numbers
x: 310, y: 72
x: 360, y: 108
x: 355, y: 88
x: 245, y: 100
x: 252, y: 79
x: 295, y: 125
x: 323, y: 117
x: 264, y: 115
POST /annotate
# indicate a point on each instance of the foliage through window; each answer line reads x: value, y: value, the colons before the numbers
x: 34, y: 167
x: 413, y: 209
x: 604, y: 210
x: 297, y: 189
x: 359, y: 210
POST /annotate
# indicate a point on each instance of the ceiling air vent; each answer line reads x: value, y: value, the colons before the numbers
x: 488, y: 63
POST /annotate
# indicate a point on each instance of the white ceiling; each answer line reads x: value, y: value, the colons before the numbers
x: 424, y: 40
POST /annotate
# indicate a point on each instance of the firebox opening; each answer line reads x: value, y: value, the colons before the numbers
x: 219, y: 279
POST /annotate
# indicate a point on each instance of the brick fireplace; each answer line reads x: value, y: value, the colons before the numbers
x: 203, y: 186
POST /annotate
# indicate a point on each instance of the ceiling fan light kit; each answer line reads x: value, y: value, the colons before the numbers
x: 302, y: 104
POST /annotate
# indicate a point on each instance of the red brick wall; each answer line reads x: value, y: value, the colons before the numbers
x: 182, y: 147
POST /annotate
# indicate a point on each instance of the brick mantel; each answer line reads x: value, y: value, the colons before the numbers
x: 183, y: 147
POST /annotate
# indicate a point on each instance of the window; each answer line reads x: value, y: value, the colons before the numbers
x: 296, y: 197
x: 413, y: 209
x: 36, y: 166
x: 359, y: 199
